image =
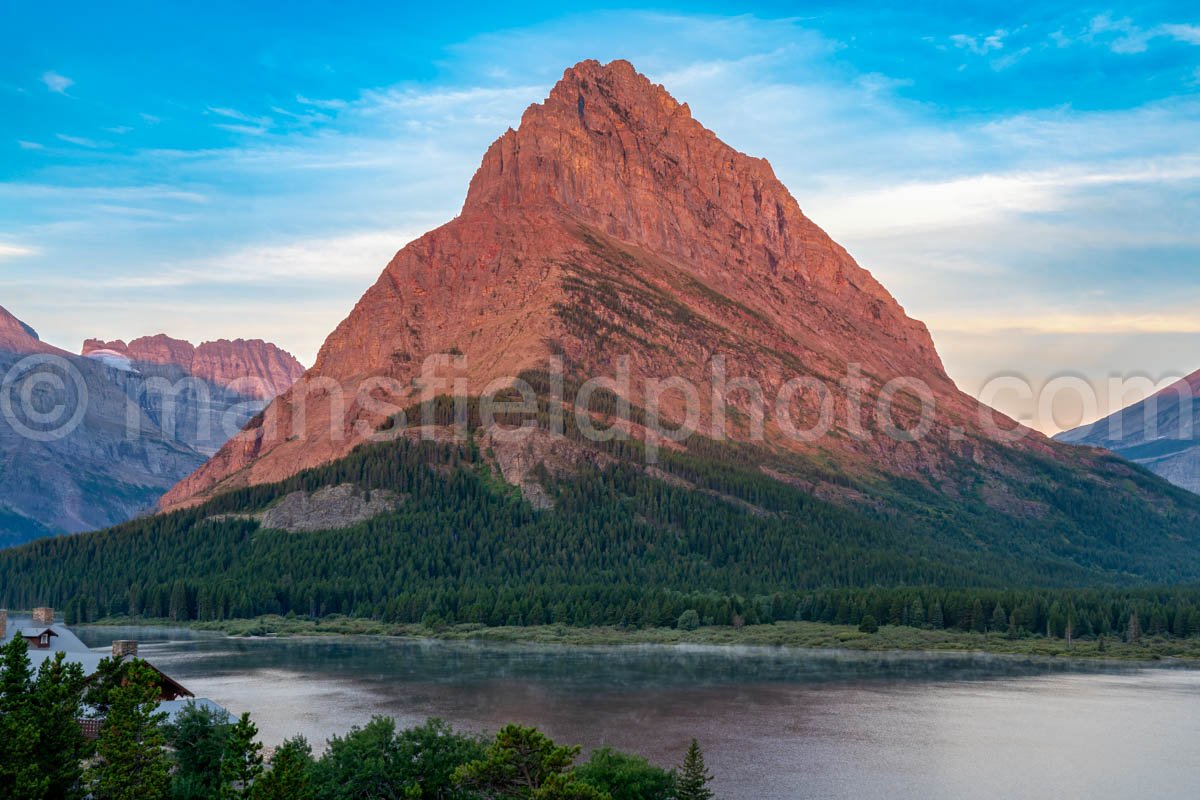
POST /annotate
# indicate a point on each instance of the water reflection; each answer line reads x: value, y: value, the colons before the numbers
x: 777, y: 724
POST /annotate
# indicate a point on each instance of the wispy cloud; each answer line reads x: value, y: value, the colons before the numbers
x: 354, y: 258
x: 303, y: 118
x: 1183, y: 33
x: 81, y: 141
x: 67, y: 194
x: 334, y: 104
x: 249, y: 130
x: 1121, y: 35
x: 1126, y: 37
x: 980, y: 45
x: 57, y: 83
x: 1156, y: 322
x: 233, y: 113
x: 26, y: 145
x: 15, y: 251
x: 989, y: 198
x: 244, y: 123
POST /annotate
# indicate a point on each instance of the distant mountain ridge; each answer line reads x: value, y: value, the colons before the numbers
x: 250, y: 366
x: 1161, y: 433
x: 132, y: 440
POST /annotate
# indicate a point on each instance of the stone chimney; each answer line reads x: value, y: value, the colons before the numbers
x: 124, y: 648
x: 43, y: 616
x: 3, y: 624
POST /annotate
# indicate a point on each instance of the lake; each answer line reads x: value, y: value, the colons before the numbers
x: 775, y: 724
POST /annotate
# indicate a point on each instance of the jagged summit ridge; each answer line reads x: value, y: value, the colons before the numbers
x: 255, y: 367
x: 613, y: 149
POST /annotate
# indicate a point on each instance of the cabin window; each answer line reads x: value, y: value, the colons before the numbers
x: 45, y: 639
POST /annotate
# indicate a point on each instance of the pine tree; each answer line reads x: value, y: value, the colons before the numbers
x: 131, y: 760
x: 999, y: 619
x: 516, y: 764
x: 198, y: 736
x: 693, y: 776
x: 289, y: 777
x: 20, y: 774
x: 1134, y: 632
x: 626, y: 777
x: 179, y: 602
x: 243, y: 762
x: 978, y: 624
x: 936, y: 619
x: 57, y: 695
x: 564, y: 787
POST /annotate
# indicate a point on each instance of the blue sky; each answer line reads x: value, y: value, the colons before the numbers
x: 1025, y: 177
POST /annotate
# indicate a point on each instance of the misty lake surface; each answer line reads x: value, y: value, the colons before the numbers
x: 775, y: 724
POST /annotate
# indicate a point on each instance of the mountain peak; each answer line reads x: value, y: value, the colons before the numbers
x: 609, y: 223
x: 590, y: 90
x: 601, y: 132
x: 615, y: 151
x: 17, y: 337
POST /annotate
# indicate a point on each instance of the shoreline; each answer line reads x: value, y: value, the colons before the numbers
x: 796, y: 635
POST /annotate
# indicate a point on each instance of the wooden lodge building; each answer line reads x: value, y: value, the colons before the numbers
x: 45, y: 638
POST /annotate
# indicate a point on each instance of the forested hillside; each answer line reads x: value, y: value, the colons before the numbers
x: 622, y: 545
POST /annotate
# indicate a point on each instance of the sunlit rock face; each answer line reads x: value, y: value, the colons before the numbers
x: 17, y: 337
x: 610, y: 226
x: 249, y: 366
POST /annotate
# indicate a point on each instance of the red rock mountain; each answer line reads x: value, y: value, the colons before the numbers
x: 17, y: 337
x: 611, y: 223
x: 251, y: 366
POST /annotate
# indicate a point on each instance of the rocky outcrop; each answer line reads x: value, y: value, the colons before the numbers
x: 329, y: 508
x: 159, y: 349
x: 520, y: 457
x: 251, y: 367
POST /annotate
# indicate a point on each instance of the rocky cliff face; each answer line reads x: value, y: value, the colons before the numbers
x: 71, y: 473
x: 250, y: 367
x: 149, y: 413
x: 17, y: 337
x: 613, y: 227
x: 1162, y: 433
